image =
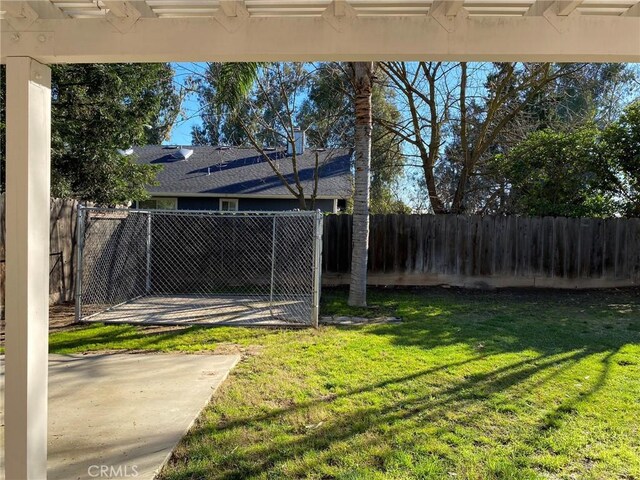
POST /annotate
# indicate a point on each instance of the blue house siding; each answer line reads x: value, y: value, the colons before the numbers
x: 249, y: 204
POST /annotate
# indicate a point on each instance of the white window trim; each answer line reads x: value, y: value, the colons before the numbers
x: 230, y: 200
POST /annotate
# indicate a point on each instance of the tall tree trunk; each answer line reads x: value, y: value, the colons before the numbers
x: 456, y: 205
x: 362, y: 79
x: 430, y: 179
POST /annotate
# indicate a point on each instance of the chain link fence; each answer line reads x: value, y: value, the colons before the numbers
x: 188, y: 267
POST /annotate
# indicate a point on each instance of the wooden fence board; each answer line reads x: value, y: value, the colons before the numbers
x: 621, y: 268
x: 62, y: 231
x: 486, y: 245
x: 549, y: 251
x: 597, y: 249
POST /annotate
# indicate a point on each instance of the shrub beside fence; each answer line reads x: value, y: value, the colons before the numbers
x: 491, y: 251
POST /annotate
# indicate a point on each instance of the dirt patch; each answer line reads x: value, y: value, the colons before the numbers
x: 348, y: 320
x: 235, y: 349
x: 62, y: 316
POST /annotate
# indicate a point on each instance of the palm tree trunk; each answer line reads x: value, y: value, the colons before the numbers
x: 362, y: 77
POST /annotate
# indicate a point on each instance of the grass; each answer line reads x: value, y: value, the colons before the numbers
x: 469, y: 386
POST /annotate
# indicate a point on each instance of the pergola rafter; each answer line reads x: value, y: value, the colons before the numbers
x: 204, y: 8
x: 36, y: 33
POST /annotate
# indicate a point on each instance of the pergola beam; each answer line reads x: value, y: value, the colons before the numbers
x: 122, y: 15
x: 445, y: 12
x: 20, y: 15
x: 585, y: 38
x: 229, y: 8
x: 448, y: 8
x: 144, y: 9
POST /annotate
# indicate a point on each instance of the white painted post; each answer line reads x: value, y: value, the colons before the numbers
x: 27, y: 267
x: 80, y: 226
x: 317, y: 267
x: 148, y: 283
x: 273, y: 264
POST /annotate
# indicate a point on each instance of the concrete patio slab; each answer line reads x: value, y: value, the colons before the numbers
x: 120, y: 415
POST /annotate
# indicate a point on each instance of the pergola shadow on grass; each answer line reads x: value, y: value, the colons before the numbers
x: 490, y: 385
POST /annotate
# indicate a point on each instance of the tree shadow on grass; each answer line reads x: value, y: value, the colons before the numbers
x: 100, y: 337
x: 513, y: 350
x: 514, y: 322
x: 467, y: 399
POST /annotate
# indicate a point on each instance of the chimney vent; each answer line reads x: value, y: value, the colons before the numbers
x: 183, y: 153
x: 299, y: 138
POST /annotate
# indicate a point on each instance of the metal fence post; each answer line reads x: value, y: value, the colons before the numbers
x: 148, y: 283
x: 273, y: 264
x: 79, y: 252
x: 317, y: 267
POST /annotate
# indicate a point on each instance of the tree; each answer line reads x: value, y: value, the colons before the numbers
x: 559, y: 174
x: 585, y: 172
x: 362, y: 78
x: 264, y: 113
x: 329, y: 114
x: 594, y: 93
x: 222, y: 89
x: 98, y: 109
x: 621, y: 147
x: 458, y: 116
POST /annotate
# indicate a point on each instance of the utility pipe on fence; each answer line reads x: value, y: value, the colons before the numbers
x: 79, y: 248
x: 317, y: 267
x: 273, y: 264
x: 148, y: 282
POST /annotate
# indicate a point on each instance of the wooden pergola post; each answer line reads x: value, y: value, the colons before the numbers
x: 27, y: 267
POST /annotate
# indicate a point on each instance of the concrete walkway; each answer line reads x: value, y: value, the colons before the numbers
x: 120, y: 415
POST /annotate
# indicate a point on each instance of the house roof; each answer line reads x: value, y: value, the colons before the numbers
x: 222, y: 171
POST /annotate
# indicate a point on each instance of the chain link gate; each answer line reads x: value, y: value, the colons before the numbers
x: 198, y: 267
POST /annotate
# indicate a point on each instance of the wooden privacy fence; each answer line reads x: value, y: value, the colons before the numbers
x: 492, y: 251
x: 62, y: 228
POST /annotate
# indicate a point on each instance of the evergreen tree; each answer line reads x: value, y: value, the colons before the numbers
x: 98, y: 109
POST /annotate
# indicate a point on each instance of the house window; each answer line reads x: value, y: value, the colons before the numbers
x: 159, y: 203
x: 229, y: 204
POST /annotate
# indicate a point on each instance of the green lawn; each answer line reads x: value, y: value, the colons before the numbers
x: 470, y: 386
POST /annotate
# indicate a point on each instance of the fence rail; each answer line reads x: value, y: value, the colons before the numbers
x: 492, y: 251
